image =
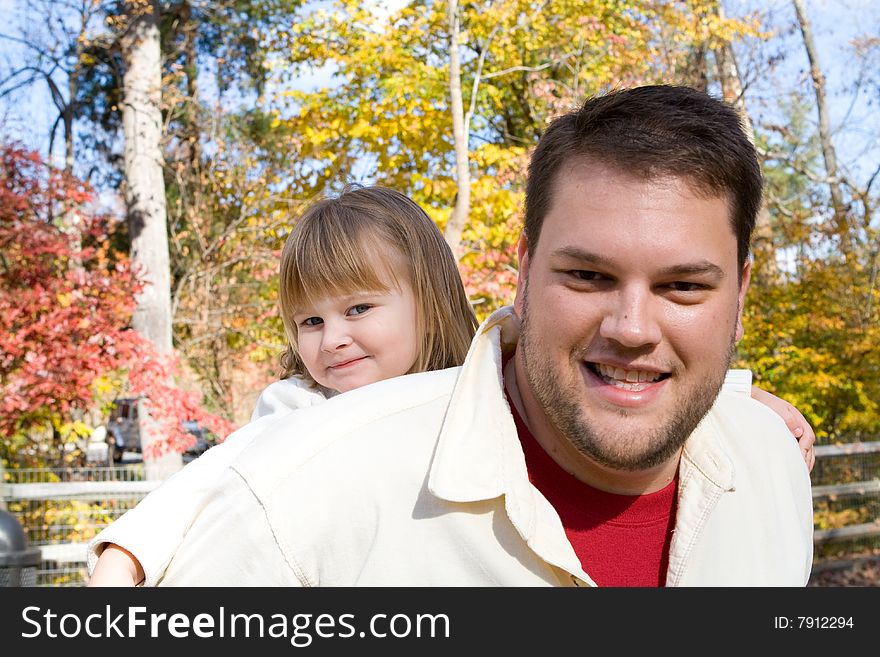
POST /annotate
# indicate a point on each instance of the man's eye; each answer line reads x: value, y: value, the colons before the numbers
x: 685, y: 286
x: 359, y: 309
x: 586, y: 275
x: 312, y: 321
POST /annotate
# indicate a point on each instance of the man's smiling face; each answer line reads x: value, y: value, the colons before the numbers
x: 630, y: 306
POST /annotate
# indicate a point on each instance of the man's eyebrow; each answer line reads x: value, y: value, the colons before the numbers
x: 575, y: 253
x: 691, y: 268
x: 684, y: 269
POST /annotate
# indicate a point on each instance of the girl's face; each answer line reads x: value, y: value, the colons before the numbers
x: 350, y: 341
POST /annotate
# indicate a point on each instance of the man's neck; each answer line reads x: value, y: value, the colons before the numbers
x: 567, y: 456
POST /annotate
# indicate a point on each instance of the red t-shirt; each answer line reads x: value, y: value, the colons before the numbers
x: 621, y: 540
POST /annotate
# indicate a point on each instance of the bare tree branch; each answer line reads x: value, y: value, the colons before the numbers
x: 830, y: 157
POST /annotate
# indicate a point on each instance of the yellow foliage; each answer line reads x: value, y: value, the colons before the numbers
x: 387, y: 115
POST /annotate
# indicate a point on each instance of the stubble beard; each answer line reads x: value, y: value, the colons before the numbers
x: 617, y: 449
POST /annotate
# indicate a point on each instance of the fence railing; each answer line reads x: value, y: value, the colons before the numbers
x: 62, y: 509
x: 846, y: 505
x: 129, y: 472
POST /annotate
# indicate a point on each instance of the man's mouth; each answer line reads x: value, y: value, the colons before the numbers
x: 634, y: 380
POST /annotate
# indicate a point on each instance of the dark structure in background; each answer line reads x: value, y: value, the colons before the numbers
x: 18, y: 562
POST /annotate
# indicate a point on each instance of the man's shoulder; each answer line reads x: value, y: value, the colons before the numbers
x: 745, y: 466
x: 738, y: 413
x: 754, y: 435
x: 340, y: 433
x: 378, y: 401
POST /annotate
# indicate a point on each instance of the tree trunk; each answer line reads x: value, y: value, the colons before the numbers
x: 459, y: 217
x: 191, y: 71
x: 828, y: 154
x: 766, y: 270
x: 694, y: 72
x: 145, y: 200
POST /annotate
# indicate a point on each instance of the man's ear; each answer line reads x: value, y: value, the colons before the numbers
x: 522, y: 250
x: 741, y: 297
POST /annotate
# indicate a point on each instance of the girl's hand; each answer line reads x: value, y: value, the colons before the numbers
x: 794, y: 420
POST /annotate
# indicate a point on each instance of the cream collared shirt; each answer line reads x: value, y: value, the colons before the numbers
x: 421, y: 481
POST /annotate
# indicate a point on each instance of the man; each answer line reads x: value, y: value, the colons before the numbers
x: 584, y: 440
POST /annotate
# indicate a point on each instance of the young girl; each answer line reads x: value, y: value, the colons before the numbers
x: 369, y: 290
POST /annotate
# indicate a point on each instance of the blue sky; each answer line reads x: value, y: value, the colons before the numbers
x: 855, y: 124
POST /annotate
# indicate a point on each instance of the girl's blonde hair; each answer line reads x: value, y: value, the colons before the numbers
x: 348, y: 243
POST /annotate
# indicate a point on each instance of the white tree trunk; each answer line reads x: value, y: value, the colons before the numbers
x: 459, y: 217
x: 145, y: 199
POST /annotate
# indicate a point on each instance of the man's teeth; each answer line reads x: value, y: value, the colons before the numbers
x: 626, y: 378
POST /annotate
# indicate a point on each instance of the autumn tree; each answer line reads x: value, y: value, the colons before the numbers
x: 824, y: 128
x: 452, y: 126
x: 64, y: 309
x: 227, y: 200
x: 228, y: 227
x: 207, y: 238
x: 222, y: 187
x: 812, y: 333
x: 54, y: 48
x: 66, y: 339
x: 144, y: 188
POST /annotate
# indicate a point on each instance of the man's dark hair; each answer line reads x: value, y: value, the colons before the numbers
x: 653, y: 132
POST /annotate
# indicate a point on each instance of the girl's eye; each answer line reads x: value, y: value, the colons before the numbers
x: 312, y: 321
x: 359, y: 309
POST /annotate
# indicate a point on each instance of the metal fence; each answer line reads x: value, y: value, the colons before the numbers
x: 846, y: 510
x: 61, y: 509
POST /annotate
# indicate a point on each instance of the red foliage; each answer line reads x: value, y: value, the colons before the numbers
x: 490, y: 275
x: 66, y: 300
x: 168, y: 404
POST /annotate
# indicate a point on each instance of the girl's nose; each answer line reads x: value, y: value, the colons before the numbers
x: 335, y: 336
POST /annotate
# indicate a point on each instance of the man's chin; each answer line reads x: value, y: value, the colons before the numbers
x: 642, y: 436
x: 629, y: 445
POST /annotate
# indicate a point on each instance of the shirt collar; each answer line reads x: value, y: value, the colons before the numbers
x: 479, y: 455
x: 705, y: 454
x: 478, y: 452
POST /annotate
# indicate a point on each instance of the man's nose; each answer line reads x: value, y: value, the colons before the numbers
x: 335, y: 336
x: 631, y: 319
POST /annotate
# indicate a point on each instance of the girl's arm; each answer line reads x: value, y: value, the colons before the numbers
x: 138, y: 546
x: 117, y: 567
x: 794, y: 420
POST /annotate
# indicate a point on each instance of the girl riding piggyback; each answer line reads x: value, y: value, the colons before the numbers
x: 369, y: 290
